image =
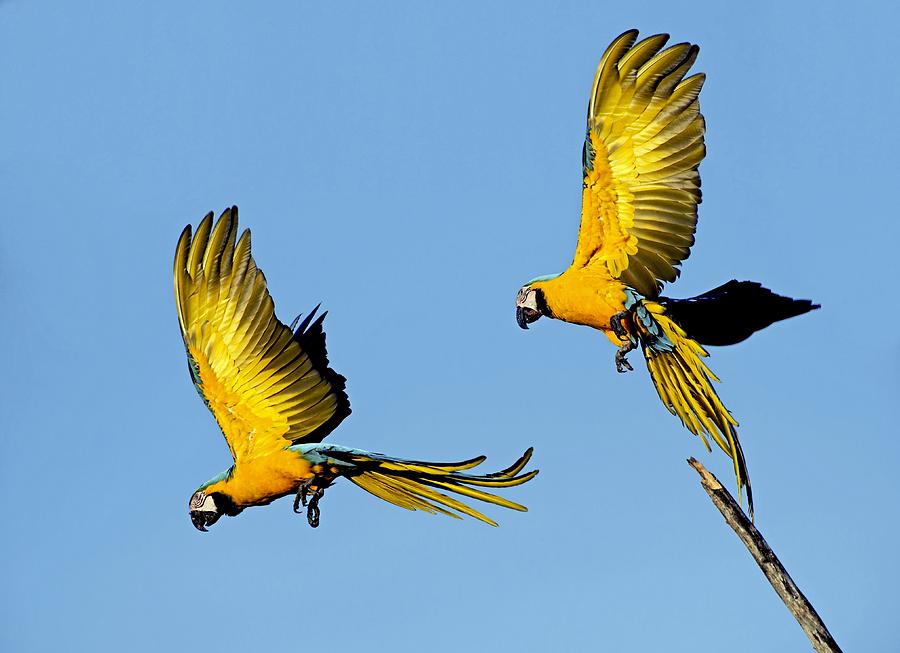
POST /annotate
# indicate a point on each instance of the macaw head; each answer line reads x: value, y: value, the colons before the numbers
x: 530, y: 302
x: 207, y: 508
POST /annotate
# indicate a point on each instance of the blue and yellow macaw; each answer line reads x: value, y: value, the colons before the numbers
x: 275, y: 398
x: 641, y: 188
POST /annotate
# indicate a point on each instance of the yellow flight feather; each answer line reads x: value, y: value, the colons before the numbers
x: 262, y: 388
x: 641, y: 190
x: 414, y: 485
x: 684, y: 384
x: 644, y: 145
x: 274, y: 397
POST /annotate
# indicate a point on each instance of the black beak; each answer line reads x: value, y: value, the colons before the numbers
x: 525, y: 316
x: 203, y: 518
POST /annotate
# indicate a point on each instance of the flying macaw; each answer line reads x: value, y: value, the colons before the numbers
x: 275, y: 398
x: 641, y: 188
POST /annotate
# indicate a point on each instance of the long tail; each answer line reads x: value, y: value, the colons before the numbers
x: 684, y: 383
x: 416, y: 485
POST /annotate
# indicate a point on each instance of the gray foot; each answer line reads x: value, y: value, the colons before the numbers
x: 622, y: 364
x: 310, y: 500
x: 615, y: 323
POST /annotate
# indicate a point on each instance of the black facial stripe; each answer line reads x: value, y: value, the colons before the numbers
x: 224, y: 504
x: 541, y: 303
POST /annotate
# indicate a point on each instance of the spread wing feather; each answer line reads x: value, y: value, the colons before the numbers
x: 267, y: 386
x: 645, y: 142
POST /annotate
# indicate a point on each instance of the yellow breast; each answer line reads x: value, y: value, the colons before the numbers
x: 261, y: 480
x: 588, y: 296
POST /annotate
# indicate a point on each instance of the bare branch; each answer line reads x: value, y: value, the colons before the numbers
x: 771, y: 566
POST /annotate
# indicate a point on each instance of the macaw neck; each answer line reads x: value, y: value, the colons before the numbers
x: 588, y: 296
x: 259, y: 481
x: 216, y: 481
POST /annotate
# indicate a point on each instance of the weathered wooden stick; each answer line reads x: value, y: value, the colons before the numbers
x: 771, y: 566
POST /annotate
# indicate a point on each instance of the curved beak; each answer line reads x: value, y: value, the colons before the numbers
x: 525, y: 316
x: 203, y: 518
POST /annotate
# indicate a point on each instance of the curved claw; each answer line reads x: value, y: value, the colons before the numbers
x: 313, y: 512
x: 622, y: 364
x: 312, y: 505
x: 615, y: 323
x: 302, y: 493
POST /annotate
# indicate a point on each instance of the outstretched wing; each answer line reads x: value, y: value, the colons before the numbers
x: 267, y: 385
x: 643, y: 147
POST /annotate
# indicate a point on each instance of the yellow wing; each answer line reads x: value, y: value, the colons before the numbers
x: 267, y: 386
x: 643, y: 147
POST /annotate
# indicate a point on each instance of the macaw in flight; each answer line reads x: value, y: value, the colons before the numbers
x: 275, y: 398
x: 641, y: 188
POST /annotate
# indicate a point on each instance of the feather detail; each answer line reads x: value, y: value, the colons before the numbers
x: 263, y: 388
x: 684, y: 384
x: 644, y: 143
x: 416, y: 485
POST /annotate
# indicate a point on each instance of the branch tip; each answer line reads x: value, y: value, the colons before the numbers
x: 768, y: 562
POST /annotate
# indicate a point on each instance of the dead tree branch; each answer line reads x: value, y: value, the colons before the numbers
x: 771, y: 566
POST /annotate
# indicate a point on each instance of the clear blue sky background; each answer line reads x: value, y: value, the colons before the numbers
x: 410, y: 166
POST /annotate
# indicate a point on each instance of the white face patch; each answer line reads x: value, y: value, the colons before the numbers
x: 527, y: 298
x: 208, y: 505
x: 202, y: 502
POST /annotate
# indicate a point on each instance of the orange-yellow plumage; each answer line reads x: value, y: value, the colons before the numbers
x: 261, y: 480
x: 275, y: 398
x: 641, y: 185
x: 587, y: 296
x: 642, y: 151
x: 684, y: 384
x: 641, y: 189
x: 259, y: 384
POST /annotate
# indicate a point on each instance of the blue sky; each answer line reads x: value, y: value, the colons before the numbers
x: 411, y: 165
